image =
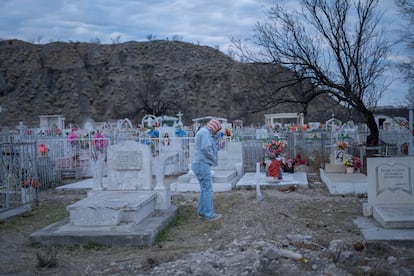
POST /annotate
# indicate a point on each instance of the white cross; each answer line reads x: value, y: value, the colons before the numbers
x: 179, y: 118
x: 21, y: 127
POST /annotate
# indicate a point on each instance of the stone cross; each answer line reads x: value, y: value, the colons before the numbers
x: 148, y: 120
x: 180, y: 115
x: 21, y: 127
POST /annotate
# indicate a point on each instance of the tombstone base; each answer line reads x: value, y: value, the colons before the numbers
x: 111, y: 208
x: 142, y: 234
x: 223, y: 181
x: 334, y: 168
x: 163, y: 200
x: 394, y: 215
x: 367, y: 209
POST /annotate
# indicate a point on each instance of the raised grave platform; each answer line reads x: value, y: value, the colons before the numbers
x: 249, y: 180
x: 344, y: 183
x: 142, y: 234
x: 394, y: 215
x: 373, y: 231
x: 223, y: 180
x: 111, y: 208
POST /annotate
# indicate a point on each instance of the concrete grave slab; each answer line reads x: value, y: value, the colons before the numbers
x: 343, y: 183
x: 249, y: 180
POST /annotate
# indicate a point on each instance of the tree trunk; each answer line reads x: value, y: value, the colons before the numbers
x: 373, y: 137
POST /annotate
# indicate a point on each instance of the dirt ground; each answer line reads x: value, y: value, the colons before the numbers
x: 307, y: 221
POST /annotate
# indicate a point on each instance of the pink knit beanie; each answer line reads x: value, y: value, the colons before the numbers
x: 214, y: 125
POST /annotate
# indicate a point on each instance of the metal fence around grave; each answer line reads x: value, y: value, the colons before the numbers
x: 315, y: 147
x: 70, y: 158
x: 18, y: 174
x: 20, y: 161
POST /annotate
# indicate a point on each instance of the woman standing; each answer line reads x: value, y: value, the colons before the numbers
x: 205, y: 156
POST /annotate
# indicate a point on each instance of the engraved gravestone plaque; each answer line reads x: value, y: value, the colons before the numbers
x: 128, y: 160
x: 393, y: 177
x: 390, y: 180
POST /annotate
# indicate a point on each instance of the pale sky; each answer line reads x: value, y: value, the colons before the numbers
x: 203, y: 22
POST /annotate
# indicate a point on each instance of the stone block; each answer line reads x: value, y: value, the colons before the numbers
x: 112, y: 208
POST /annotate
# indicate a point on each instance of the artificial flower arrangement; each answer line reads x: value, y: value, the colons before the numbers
x: 54, y: 131
x: 43, y: 149
x: 356, y: 162
x: 348, y: 163
x: 99, y: 144
x: 288, y: 165
x: 342, y: 145
x: 273, y: 148
x: 72, y: 138
x: 179, y: 132
x: 352, y: 162
x: 77, y: 139
x: 153, y: 133
x: 220, y: 141
x: 27, y: 183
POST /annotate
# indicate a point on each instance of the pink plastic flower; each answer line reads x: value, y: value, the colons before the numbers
x: 99, y: 141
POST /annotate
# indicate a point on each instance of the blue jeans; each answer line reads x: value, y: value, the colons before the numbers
x: 205, y: 200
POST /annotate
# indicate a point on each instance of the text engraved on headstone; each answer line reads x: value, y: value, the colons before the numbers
x: 128, y: 160
x: 393, y: 177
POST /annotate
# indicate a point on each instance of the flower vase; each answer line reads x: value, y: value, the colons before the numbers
x: 349, y: 169
x: 274, y: 169
x: 266, y: 164
x: 98, y: 168
x: 28, y: 195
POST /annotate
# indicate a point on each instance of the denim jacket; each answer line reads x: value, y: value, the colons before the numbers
x: 205, y: 149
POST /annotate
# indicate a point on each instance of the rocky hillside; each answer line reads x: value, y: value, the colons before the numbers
x: 129, y: 80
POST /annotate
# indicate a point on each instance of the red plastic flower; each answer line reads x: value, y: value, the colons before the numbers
x: 274, y: 147
x: 42, y: 148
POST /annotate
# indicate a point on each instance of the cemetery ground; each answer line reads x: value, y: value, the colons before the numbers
x: 308, y: 221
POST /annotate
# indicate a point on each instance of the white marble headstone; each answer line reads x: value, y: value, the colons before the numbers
x: 231, y: 155
x: 129, y: 167
x: 390, y: 180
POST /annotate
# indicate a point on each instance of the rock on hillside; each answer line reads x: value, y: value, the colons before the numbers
x: 113, y: 81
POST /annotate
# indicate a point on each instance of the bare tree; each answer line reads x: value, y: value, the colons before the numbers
x: 96, y: 40
x: 407, y: 11
x: 177, y: 37
x: 150, y: 37
x: 334, y: 46
x: 154, y: 99
x: 409, y: 98
x: 116, y: 40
